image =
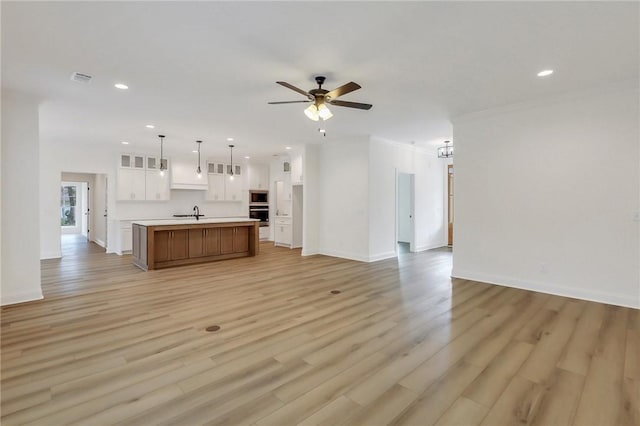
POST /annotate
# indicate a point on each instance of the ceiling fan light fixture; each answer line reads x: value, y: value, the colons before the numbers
x: 312, y: 113
x: 324, y: 112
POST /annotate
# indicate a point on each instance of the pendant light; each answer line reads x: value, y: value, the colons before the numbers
x: 445, y: 151
x: 161, y: 155
x: 199, y: 170
x: 231, y: 165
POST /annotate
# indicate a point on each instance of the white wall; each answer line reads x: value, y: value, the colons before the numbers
x: 350, y: 198
x: 385, y: 160
x: 20, y: 203
x: 344, y: 198
x: 311, y: 207
x: 61, y: 157
x: 546, y: 194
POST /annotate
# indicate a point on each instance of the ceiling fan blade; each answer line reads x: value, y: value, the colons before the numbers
x: 343, y: 90
x: 288, y: 102
x: 351, y: 104
x: 294, y: 88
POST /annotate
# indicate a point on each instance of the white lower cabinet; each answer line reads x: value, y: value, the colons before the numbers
x: 264, y: 233
x: 282, y: 234
x: 126, y: 237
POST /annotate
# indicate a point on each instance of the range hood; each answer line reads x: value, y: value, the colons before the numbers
x: 184, y: 176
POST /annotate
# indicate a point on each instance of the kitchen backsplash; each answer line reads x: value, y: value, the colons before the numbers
x: 181, y: 202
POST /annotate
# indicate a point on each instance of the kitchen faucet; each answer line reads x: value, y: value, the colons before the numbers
x: 196, y: 212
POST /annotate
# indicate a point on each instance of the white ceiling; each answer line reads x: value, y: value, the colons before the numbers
x: 206, y: 70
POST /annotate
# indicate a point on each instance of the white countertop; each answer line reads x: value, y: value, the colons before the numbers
x: 192, y: 221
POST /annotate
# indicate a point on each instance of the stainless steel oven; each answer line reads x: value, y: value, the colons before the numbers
x: 261, y: 213
x: 258, y: 197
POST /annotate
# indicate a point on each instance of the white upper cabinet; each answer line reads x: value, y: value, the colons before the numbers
x: 216, y: 187
x: 224, y: 186
x: 296, y: 169
x: 233, y: 188
x: 237, y: 169
x: 215, y: 168
x: 157, y: 186
x: 139, y: 179
x: 132, y: 161
x: 130, y: 185
x: 258, y: 175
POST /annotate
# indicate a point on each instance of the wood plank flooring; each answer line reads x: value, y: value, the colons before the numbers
x: 399, y: 344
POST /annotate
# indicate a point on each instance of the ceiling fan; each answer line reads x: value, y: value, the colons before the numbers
x: 320, y: 97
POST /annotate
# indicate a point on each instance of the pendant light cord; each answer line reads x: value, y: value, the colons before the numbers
x: 161, y: 151
x: 199, y: 170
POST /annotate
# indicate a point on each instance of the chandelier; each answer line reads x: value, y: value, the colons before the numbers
x: 445, y: 151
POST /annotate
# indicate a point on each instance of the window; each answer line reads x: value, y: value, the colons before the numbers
x: 68, y: 205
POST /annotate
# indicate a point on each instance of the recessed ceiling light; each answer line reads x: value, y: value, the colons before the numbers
x: 150, y: 126
x: 247, y: 157
x: 125, y: 143
x: 230, y: 139
x: 121, y: 86
x: 288, y: 147
x: 545, y: 73
x: 195, y: 151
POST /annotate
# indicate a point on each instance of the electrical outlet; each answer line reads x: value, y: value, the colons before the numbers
x: 543, y: 268
x: 636, y: 217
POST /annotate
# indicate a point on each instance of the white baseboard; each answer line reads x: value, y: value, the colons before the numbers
x: 100, y: 243
x: 382, y: 256
x: 344, y: 255
x: 309, y: 252
x: 12, y: 299
x: 51, y: 255
x: 550, y: 288
x: 431, y: 247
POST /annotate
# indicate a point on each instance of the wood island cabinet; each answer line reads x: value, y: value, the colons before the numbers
x: 171, y: 245
x: 163, y: 246
x: 234, y: 240
x: 204, y: 242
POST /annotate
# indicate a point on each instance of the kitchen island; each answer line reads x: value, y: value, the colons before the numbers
x: 166, y: 243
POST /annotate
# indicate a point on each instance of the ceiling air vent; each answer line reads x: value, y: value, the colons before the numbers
x: 81, y: 78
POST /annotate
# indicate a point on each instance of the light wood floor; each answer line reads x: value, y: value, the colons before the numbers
x: 400, y: 344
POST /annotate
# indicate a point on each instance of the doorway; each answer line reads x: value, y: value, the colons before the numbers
x: 83, y: 208
x: 74, y: 208
x: 405, y: 233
